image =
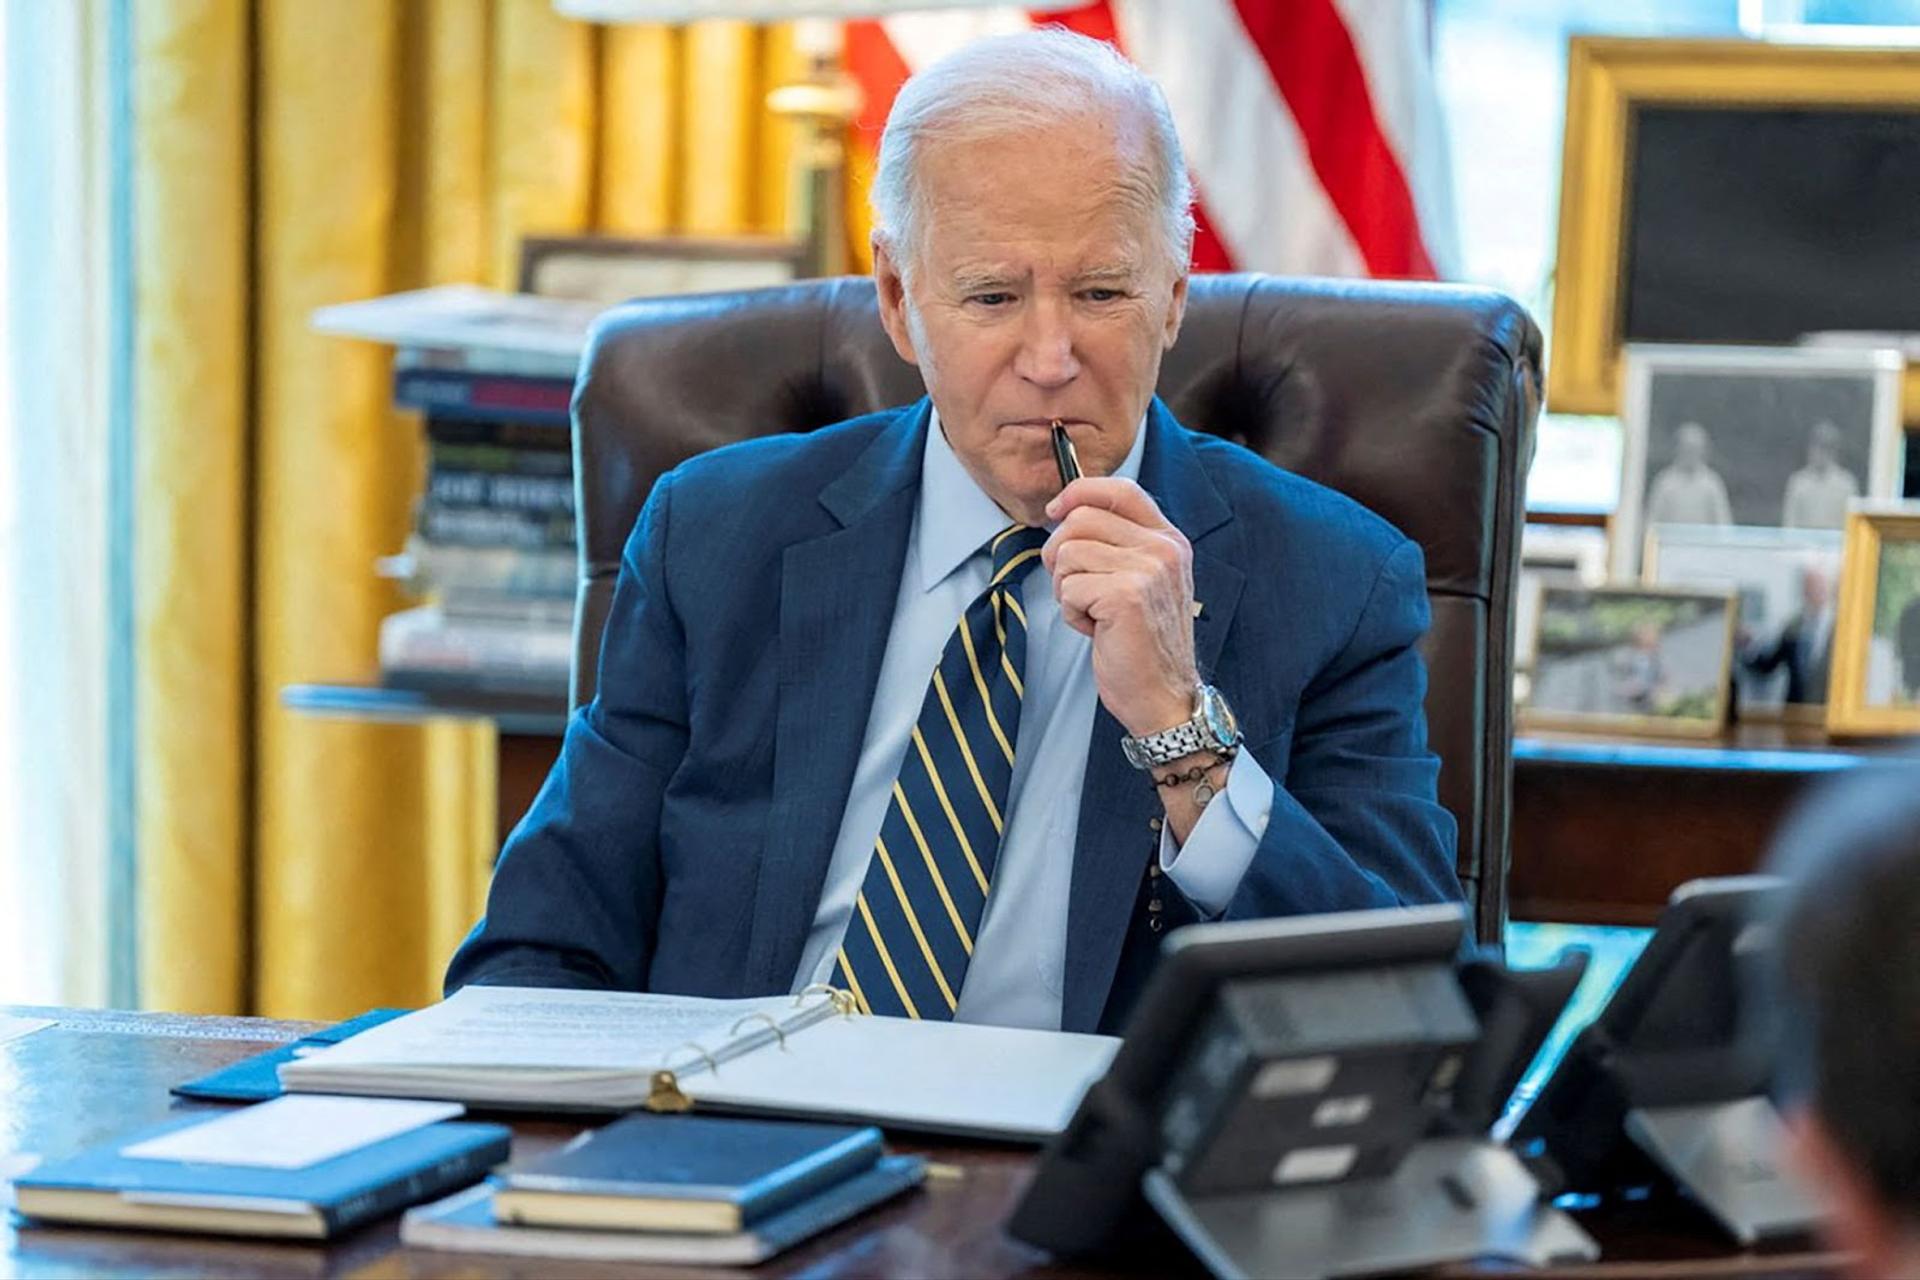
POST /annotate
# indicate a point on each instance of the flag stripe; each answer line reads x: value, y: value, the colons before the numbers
x: 1311, y: 126
x: 1245, y: 150
x: 1310, y: 54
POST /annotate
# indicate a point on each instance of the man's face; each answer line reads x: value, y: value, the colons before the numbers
x: 1042, y: 289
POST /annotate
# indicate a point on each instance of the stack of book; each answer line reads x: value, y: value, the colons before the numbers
x: 492, y: 550
x: 653, y: 1188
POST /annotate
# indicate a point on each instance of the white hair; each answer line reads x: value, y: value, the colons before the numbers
x: 1005, y: 85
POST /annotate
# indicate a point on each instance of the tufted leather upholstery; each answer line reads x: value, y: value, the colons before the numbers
x: 1417, y: 400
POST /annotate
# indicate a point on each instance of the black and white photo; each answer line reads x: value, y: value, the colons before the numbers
x: 1753, y: 437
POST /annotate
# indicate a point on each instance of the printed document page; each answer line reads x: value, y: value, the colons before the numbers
x: 943, y: 1077
x: 526, y: 1045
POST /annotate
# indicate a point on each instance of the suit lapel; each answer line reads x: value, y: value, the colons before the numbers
x: 1117, y: 802
x: 837, y: 595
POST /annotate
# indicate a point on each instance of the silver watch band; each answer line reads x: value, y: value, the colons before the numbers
x: 1169, y: 745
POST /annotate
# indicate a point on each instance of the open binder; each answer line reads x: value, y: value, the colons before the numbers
x: 809, y: 1055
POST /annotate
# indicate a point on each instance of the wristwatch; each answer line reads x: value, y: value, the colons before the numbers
x: 1212, y: 728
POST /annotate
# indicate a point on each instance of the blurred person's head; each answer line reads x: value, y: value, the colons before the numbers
x: 1691, y: 445
x: 1816, y: 586
x: 1032, y: 228
x: 1823, y: 445
x: 1850, y: 970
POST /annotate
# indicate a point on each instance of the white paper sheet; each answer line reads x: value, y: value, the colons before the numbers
x: 501, y: 1027
x: 292, y: 1132
x: 12, y: 1028
x: 946, y: 1077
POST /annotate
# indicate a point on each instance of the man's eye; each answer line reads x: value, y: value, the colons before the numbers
x: 991, y: 299
x: 1101, y: 295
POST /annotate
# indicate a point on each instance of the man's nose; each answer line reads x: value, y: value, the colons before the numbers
x: 1046, y: 356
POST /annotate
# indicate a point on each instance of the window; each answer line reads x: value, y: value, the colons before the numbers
x: 66, y: 855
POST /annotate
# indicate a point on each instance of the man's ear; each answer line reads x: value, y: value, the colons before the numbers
x: 891, y: 285
x: 1176, y: 312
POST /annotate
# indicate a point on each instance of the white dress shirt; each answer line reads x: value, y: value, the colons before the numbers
x: 1014, y: 977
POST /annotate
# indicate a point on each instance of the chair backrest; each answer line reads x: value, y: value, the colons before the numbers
x: 1417, y: 400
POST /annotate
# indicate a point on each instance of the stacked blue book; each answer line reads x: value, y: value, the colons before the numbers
x: 665, y: 1188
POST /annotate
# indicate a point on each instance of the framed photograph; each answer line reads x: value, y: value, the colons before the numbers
x: 1786, y: 587
x: 1753, y: 436
x: 1550, y: 553
x: 1876, y: 645
x: 1649, y: 660
x: 610, y: 270
x: 1730, y: 191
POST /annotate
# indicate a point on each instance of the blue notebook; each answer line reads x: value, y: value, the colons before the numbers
x: 103, y: 1187
x: 466, y: 1223
x: 684, y: 1173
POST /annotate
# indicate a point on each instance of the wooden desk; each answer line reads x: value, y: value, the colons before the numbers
x: 95, y: 1075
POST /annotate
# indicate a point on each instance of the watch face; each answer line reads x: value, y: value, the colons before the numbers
x: 1219, y: 716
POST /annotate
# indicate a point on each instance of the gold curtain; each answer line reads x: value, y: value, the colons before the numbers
x: 290, y: 155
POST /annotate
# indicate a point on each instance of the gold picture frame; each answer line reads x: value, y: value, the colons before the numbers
x: 1861, y: 654
x: 1607, y: 79
x: 1710, y: 722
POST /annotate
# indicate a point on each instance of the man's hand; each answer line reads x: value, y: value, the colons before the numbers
x: 1124, y: 576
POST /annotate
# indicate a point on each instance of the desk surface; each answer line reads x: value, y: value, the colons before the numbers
x: 96, y: 1074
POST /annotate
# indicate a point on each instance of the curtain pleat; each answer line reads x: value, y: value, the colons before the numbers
x: 340, y: 901
x: 289, y: 156
x: 639, y: 129
x: 192, y: 477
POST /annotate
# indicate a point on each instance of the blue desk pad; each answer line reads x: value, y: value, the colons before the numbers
x: 257, y: 1079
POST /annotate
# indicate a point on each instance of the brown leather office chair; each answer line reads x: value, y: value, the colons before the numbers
x: 1417, y: 400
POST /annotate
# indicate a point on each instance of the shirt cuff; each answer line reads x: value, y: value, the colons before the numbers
x: 1209, y: 866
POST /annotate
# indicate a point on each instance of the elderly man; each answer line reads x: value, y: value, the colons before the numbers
x: 883, y: 706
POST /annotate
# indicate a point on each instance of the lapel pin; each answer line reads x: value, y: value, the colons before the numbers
x: 1198, y: 608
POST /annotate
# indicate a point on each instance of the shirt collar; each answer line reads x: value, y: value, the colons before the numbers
x: 956, y: 517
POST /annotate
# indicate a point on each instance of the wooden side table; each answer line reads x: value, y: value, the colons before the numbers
x: 1605, y: 828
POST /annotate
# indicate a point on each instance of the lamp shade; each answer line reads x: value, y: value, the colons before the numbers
x: 768, y: 10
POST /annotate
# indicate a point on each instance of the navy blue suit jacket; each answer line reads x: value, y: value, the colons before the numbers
x: 682, y: 840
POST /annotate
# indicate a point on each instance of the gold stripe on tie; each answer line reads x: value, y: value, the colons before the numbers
x: 939, y: 881
x: 966, y: 752
x: 953, y: 819
x: 1014, y: 563
x: 879, y: 945
x: 1002, y: 536
x: 1013, y: 603
x: 853, y: 984
x: 913, y: 921
x: 980, y: 683
x: 1006, y: 663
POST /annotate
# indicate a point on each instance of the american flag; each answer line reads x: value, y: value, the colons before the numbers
x: 1311, y: 127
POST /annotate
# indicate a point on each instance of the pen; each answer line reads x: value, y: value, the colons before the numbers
x: 1064, y: 456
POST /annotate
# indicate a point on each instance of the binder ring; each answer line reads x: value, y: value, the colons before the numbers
x: 778, y: 1032
x: 843, y: 1002
x: 701, y: 1049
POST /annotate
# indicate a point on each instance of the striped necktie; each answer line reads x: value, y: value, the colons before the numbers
x: 907, y: 946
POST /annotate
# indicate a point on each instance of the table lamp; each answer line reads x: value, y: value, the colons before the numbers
x: 823, y: 105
